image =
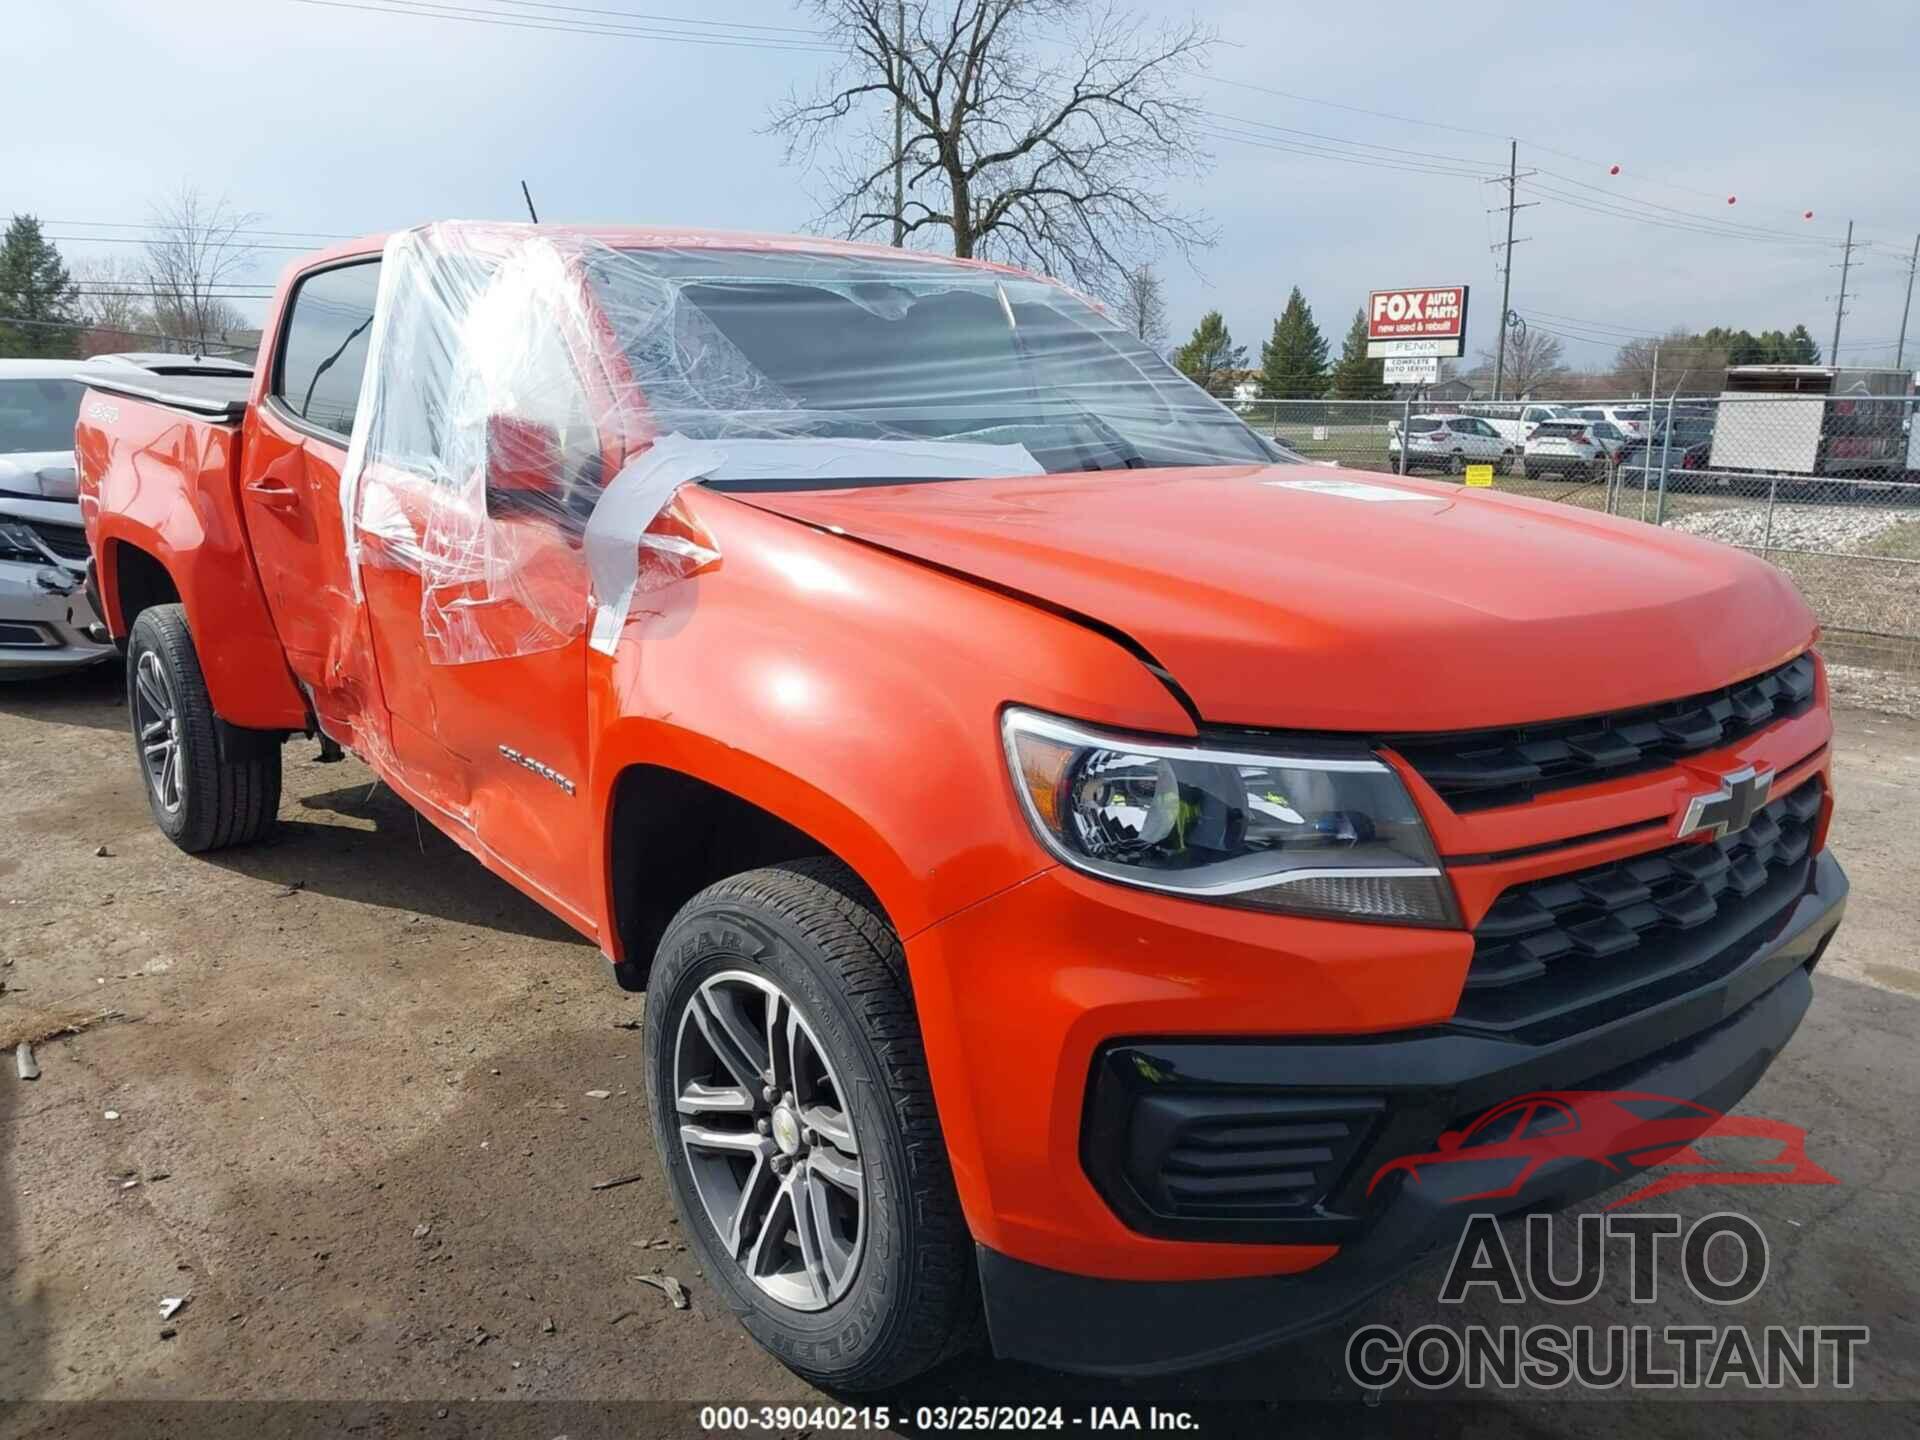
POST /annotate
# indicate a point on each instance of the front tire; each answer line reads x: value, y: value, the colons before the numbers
x: 795, y: 1121
x: 206, y: 790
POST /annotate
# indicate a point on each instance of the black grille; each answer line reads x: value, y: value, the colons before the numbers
x: 1234, y: 1157
x: 1601, y: 937
x: 69, y: 542
x: 1483, y: 768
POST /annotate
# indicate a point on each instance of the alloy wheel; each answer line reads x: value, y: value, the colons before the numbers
x: 769, y: 1140
x: 156, y: 724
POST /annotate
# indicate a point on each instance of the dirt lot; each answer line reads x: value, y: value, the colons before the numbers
x: 351, y: 1070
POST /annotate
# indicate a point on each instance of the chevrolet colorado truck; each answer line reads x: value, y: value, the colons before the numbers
x: 1070, y: 846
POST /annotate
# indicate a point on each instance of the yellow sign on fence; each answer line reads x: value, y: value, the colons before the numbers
x: 1480, y: 476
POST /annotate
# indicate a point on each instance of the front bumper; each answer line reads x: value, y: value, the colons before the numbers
x: 47, y: 623
x: 1708, y: 1045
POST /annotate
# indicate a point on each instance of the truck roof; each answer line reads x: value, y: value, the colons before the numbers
x: 670, y: 237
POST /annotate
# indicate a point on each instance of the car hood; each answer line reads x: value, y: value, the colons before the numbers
x: 1292, y: 597
x: 39, y: 475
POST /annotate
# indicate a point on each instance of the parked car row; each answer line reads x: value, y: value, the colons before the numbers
x: 1451, y: 443
x: 1544, y: 440
x: 1574, y: 442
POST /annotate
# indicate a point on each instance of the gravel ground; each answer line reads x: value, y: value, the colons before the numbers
x: 1888, y: 691
x: 341, y: 1102
x: 1849, y: 528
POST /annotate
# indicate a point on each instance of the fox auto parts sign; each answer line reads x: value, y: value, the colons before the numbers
x: 1428, y: 321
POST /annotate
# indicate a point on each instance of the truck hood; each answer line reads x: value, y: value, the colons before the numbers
x: 1297, y: 597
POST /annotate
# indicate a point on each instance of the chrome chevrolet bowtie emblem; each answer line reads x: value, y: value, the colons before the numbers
x: 1731, y: 808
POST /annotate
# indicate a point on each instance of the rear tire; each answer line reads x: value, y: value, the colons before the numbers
x: 207, y: 789
x: 890, y: 1291
x: 1456, y: 463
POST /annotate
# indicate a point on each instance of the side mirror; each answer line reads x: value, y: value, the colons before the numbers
x: 523, y: 458
x: 1448, y: 1142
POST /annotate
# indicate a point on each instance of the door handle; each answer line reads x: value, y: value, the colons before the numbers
x: 274, y: 496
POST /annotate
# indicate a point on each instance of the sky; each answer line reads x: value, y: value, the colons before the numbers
x: 337, y: 117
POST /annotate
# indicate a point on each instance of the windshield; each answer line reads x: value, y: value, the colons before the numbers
x: 898, y: 354
x: 37, y: 415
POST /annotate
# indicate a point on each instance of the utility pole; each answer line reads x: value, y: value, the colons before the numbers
x: 1914, y: 264
x: 1506, y: 271
x: 899, y: 124
x: 1840, y: 305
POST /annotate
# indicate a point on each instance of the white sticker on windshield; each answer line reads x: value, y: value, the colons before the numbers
x: 1347, y: 489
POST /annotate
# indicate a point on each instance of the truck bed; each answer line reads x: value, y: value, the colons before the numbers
x: 214, y: 395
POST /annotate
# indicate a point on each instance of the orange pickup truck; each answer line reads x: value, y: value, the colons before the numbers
x: 1070, y: 844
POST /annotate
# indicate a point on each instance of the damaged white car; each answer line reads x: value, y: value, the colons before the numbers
x: 46, y: 620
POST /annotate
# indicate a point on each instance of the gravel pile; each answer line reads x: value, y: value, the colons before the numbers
x: 1795, y: 527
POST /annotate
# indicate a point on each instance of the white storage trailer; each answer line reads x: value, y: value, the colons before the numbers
x: 1821, y: 420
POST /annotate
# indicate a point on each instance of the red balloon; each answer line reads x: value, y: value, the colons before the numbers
x: 1807, y: 216
x: 1732, y: 198
x: 1613, y: 170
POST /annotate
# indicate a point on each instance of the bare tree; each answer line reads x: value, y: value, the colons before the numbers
x: 200, y: 250
x: 1142, y: 308
x: 1038, y: 131
x: 115, y: 305
x: 1534, y: 359
x: 1683, y: 358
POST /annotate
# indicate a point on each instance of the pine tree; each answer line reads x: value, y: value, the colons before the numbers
x: 1356, y: 377
x: 1293, y: 364
x: 1210, y: 357
x: 1801, y: 348
x: 39, y: 303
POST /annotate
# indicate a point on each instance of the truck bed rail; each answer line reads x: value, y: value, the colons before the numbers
x: 214, y: 396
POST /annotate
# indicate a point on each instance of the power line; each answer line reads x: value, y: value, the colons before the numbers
x: 1455, y: 129
x: 661, y: 19
x: 135, y: 240
x: 1263, y: 142
x: 1702, y: 227
x: 81, y: 325
x: 466, y: 15
x: 1689, y: 215
x: 174, y: 229
x: 1363, y: 110
x: 1599, y: 325
x: 1478, y: 165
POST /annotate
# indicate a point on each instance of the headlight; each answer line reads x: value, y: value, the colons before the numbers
x: 1334, y: 836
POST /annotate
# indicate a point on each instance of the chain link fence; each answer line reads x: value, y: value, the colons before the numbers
x: 1827, y: 487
